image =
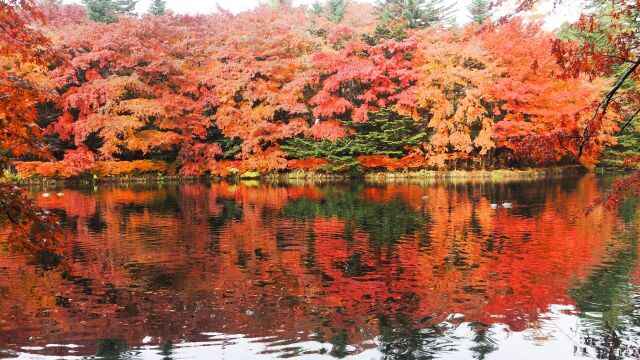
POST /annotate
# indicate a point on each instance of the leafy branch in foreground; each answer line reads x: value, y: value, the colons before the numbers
x: 32, y: 229
x: 24, y: 54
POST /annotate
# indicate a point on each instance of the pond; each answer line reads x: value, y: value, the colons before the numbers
x: 320, y: 271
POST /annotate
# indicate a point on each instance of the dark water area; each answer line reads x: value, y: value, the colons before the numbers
x: 357, y: 271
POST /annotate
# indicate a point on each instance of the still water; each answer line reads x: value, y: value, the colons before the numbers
x: 358, y: 271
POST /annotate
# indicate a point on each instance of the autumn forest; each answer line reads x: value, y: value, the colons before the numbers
x: 335, y: 87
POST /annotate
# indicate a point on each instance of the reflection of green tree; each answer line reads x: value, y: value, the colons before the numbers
x: 166, y: 350
x: 340, y: 342
x: 484, y: 343
x: 353, y: 266
x: 111, y: 349
x: 400, y: 337
x: 608, y: 291
x: 404, y: 338
x: 231, y: 211
x: 385, y: 223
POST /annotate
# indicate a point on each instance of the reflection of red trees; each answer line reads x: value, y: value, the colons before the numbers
x: 178, y: 261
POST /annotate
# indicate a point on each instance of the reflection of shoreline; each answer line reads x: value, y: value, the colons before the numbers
x: 347, y: 263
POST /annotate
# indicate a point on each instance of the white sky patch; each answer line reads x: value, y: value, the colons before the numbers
x: 553, y: 16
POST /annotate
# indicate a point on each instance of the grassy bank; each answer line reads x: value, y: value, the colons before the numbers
x: 483, y: 175
x: 499, y: 175
x: 112, y: 180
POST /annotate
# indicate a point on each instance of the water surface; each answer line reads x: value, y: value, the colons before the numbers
x: 396, y: 271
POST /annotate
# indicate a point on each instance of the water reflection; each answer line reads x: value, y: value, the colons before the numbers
x: 398, y: 271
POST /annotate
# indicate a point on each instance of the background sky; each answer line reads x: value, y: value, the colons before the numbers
x: 554, y: 16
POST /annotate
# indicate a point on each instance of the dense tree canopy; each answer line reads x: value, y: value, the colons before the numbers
x: 327, y: 88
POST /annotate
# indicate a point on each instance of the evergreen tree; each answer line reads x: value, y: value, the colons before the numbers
x: 126, y: 6
x: 479, y: 10
x: 416, y: 13
x: 280, y: 3
x: 337, y: 9
x: 101, y: 10
x: 385, y: 133
x: 317, y: 8
x: 158, y: 7
x: 439, y: 13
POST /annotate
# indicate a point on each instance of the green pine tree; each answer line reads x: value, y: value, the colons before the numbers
x: 439, y: 14
x: 101, y: 10
x: 416, y: 13
x: 317, y: 8
x: 126, y: 6
x: 385, y: 133
x: 280, y: 3
x: 336, y: 11
x: 479, y: 10
x: 158, y: 7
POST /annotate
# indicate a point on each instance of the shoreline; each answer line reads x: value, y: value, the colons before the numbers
x: 497, y: 175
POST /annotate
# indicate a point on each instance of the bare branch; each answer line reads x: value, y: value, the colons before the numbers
x: 604, y: 104
x: 629, y: 120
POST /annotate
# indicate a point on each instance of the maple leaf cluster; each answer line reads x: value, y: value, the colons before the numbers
x: 24, y: 57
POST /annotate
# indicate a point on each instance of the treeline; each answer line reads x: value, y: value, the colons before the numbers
x: 331, y: 87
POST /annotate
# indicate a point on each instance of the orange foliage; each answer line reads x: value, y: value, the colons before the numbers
x: 69, y: 167
x: 116, y: 168
x: 329, y: 130
x: 380, y: 162
x: 310, y: 164
x: 544, y: 115
x: 481, y: 94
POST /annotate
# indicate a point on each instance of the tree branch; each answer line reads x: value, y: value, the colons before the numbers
x: 619, y: 84
x: 629, y: 120
x: 604, y: 104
